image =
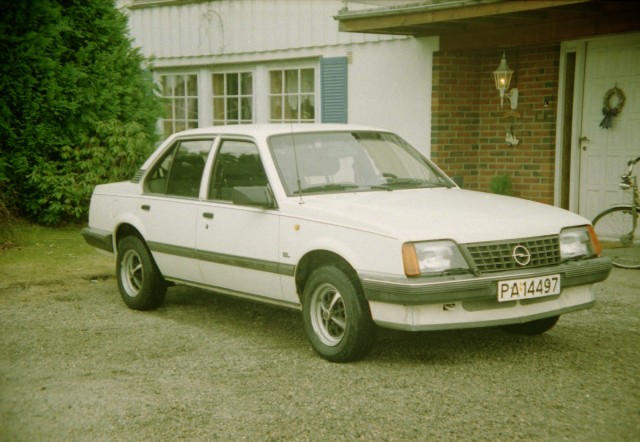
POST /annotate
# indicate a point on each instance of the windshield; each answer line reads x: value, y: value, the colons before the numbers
x: 325, y: 162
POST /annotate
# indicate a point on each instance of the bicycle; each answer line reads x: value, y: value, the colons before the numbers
x: 617, y: 227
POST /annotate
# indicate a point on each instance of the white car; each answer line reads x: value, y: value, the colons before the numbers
x: 349, y: 224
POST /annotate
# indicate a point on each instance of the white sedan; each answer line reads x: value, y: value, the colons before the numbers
x: 349, y: 224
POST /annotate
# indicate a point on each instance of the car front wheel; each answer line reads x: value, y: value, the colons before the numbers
x: 336, y: 315
x: 139, y: 280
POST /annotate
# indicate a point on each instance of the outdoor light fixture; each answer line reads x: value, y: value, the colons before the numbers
x: 502, y: 77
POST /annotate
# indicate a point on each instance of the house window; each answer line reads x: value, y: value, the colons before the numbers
x: 180, y: 96
x: 292, y: 95
x: 232, y: 98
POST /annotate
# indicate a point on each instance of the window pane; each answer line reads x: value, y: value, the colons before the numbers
x: 167, y: 85
x: 167, y: 127
x: 218, y: 84
x: 192, y: 108
x: 218, y: 108
x: 180, y: 109
x: 232, y: 84
x: 291, y: 81
x: 247, y: 114
x: 247, y: 83
x: 276, y: 108
x: 307, y: 80
x: 179, y: 89
x: 275, y: 78
x: 291, y: 108
x: 232, y: 109
x: 307, y: 109
x: 192, y: 85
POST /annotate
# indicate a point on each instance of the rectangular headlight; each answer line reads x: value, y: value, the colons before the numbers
x: 578, y: 242
x: 432, y: 257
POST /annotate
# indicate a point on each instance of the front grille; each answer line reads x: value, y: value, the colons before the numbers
x: 498, y: 256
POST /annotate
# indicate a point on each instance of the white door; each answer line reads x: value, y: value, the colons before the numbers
x: 610, y: 62
x: 238, y: 245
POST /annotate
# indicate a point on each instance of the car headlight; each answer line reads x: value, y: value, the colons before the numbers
x: 433, y: 257
x: 579, y: 242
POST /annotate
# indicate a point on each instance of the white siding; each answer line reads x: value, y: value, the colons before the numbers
x: 226, y: 29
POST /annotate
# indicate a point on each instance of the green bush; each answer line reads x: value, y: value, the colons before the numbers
x: 77, y: 108
x: 501, y: 185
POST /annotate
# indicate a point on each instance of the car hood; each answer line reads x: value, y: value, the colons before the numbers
x: 422, y: 214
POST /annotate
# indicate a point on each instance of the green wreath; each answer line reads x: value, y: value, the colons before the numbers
x: 608, y: 111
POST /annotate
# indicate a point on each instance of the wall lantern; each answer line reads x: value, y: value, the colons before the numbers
x: 502, y: 77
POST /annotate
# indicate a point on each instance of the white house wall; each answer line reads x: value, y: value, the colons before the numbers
x: 389, y: 77
x: 390, y: 86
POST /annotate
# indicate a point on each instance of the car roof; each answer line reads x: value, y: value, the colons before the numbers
x: 267, y: 130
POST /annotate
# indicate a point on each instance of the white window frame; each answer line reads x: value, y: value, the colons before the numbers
x: 285, y: 96
x: 187, y: 120
x: 239, y: 96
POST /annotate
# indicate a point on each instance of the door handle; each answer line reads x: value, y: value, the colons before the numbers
x: 207, y: 215
x: 145, y: 207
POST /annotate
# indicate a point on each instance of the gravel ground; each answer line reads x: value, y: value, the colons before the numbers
x: 76, y: 365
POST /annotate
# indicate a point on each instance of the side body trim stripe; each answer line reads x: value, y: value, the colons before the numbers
x: 221, y: 258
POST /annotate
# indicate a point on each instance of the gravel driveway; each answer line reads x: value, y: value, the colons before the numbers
x: 76, y: 365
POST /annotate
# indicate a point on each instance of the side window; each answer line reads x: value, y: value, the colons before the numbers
x: 180, y: 171
x: 237, y: 165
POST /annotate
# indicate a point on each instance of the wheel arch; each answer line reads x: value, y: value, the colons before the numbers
x: 315, y: 259
x: 124, y: 230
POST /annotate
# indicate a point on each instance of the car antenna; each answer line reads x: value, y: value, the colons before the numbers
x: 295, y: 158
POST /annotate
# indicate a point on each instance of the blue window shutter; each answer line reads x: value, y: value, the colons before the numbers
x: 333, y: 83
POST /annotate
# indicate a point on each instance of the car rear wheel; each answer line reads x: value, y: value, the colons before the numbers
x: 532, y: 328
x: 336, y: 315
x: 139, y: 280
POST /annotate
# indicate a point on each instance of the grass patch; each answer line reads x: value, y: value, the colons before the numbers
x: 44, y: 254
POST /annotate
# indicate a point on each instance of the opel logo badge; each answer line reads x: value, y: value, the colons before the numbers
x: 521, y: 255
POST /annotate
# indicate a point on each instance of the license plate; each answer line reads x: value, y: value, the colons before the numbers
x: 528, y: 288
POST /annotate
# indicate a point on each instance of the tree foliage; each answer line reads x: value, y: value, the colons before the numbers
x: 77, y: 107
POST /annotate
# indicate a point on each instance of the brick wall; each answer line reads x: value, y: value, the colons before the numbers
x: 469, y: 127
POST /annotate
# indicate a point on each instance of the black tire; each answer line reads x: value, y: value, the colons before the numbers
x: 533, y: 328
x: 140, y: 283
x: 613, y: 228
x: 336, y: 315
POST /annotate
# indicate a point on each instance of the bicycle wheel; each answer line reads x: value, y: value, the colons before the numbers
x: 614, y: 228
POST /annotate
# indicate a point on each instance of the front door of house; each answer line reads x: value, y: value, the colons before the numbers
x: 612, y: 75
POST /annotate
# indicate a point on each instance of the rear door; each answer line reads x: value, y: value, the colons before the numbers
x: 170, y: 206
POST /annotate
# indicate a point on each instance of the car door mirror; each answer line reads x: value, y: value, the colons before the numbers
x: 259, y: 196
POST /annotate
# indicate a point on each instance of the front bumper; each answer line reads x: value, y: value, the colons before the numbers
x: 465, y: 301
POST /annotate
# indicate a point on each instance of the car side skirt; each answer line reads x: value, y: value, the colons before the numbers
x: 237, y: 294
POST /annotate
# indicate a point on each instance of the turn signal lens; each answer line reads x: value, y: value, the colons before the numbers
x: 410, y: 260
x: 597, y: 247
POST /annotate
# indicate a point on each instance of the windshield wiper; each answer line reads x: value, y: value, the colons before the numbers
x: 411, y: 182
x: 330, y: 187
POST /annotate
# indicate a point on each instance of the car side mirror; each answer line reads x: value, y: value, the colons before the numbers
x: 258, y: 196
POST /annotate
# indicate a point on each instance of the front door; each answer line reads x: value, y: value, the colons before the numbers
x: 238, y: 244
x: 610, y: 63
